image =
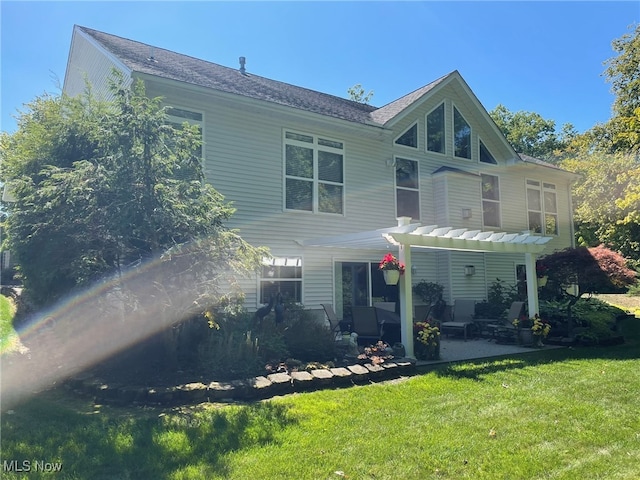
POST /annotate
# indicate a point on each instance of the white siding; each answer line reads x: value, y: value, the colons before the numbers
x: 88, y: 63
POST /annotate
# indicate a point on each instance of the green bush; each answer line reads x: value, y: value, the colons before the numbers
x: 306, y: 338
x: 500, y: 296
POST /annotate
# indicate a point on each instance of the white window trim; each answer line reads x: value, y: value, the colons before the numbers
x: 295, y: 260
x: 444, y: 127
x: 492, y: 154
x: 417, y: 147
x: 453, y: 134
x: 499, y: 202
x: 543, y: 212
x: 315, y: 201
x: 395, y: 162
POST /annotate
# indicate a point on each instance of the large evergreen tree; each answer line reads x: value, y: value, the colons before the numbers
x: 100, y: 186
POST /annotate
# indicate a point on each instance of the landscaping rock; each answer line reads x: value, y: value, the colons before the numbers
x: 360, y: 373
x: 303, y: 380
x: 341, y: 376
x: 322, y: 376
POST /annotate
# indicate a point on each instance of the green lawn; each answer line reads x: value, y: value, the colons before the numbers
x: 8, y: 337
x: 554, y: 414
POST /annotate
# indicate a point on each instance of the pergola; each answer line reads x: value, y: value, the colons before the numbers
x: 408, y: 235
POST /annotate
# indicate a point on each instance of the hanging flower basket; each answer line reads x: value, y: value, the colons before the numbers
x: 391, y: 269
x: 391, y: 277
x: 542, y: 281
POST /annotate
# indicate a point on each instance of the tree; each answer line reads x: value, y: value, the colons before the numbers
x: 588, y: 270
x: 101, y: 186
x: 531, y: 134
x: 356, y: 93
x: 607, y: 201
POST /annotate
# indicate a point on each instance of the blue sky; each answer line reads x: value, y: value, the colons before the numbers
x: 544, y: 57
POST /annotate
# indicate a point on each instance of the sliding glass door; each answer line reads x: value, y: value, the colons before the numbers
x: 360, y: 284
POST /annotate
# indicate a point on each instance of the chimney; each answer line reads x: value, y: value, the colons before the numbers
x: 242, y: 62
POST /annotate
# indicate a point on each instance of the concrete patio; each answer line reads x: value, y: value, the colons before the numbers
x: 453, y: 349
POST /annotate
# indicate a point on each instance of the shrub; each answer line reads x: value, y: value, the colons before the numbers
x: 307, y: 339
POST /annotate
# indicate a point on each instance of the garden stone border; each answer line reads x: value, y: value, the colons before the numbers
x: 249, y: 389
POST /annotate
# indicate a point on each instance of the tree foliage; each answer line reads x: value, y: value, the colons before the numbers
x: 101, y: 186
x: 607, y: 201
x: 357, y: 94
x: 531, y: 134
x: 589, y: 271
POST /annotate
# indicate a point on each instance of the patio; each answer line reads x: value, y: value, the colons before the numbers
x: 453, y: 349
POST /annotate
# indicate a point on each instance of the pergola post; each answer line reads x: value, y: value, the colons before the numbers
x: 406, y: 301
x: 532, y: 284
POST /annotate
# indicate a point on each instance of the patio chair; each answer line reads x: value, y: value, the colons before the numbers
x: 503, y: 330
x: 421, y: 312
x: 365, y: 324
x: 335, y: 324
x: 462, y: 319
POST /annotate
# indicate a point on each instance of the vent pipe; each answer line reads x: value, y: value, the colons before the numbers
x: 242, y: 62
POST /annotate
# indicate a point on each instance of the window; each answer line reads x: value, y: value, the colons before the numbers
x: 407, y: 188
x: 177, y: 117
x: 409, y: 138
x: 314, y: 177
x: 435, y: 130
x: 542, y: 207
x: 490, y: 200
x: 284, y: 276
x: 461, y: 135
x: 485, y: 154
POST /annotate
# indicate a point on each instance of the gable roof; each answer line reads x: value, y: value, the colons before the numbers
x: 146, y: 59
x: 143, y: 58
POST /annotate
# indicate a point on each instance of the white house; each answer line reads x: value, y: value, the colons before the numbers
x: 330, y: 185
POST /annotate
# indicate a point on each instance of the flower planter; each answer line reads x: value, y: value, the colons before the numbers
x: 426, y: 352
x: 525, y: 336
x: 542, y: 281
x: 391, y: 277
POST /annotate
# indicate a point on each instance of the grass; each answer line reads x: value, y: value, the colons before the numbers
x: 550, y: 414
x: 9, y: 340
x: 556, y: 414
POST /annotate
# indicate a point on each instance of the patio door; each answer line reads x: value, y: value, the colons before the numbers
x: 360, y: 284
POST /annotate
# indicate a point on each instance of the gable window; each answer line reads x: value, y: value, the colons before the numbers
x: 435, y: 130
x: 409, y: 138
x: 490, y: 200
x: 461, y: 135
x: 407, y: 188
x: 542, y: 207
x: 314, y: 173
x: 485, y: 154
x: 176, y: 118
x: 281, y: 275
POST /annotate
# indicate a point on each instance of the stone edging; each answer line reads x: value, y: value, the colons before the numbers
x: 241, y: 390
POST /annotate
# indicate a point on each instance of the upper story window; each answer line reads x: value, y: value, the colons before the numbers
x: 407, y: 188
x: 435, y: 129
x: 314, y: 173
x: 177, y: 117
x: 409, y: 138
x: 542, y: 207
x: 281, y: 275
x: 490, y: 200
x: 461, y: 135
x: 485, y: 154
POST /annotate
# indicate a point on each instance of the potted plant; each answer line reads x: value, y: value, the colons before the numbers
x: 426, y: 341
x: 428, y: 292
x: 532, y: 330
x: 376, y: 354
x: 542, y: 272
x: 391, y: 269
x: 540, y: 329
